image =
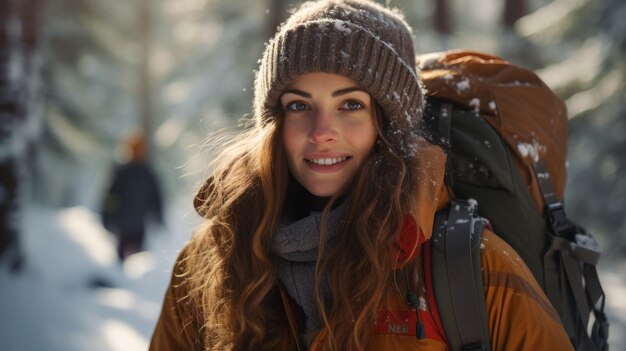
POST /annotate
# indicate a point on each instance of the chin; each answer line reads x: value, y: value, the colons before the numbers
x: 321, y: 193
x: 323, y: 190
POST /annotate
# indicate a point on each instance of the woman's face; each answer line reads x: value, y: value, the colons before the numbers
x: 328, y: 130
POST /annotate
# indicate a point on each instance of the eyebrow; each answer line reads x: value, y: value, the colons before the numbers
x: 346, y: 91
x: 298, y: 92
x: 334, y: 94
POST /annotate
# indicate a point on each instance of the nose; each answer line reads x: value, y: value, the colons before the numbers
x: 323, y: 129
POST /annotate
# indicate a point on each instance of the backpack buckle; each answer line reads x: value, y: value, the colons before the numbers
x: 559, y: 223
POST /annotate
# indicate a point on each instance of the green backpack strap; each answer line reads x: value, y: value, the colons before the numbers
x: 571, y: 251
x: 457, y: 277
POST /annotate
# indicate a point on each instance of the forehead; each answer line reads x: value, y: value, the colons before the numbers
x: 330, y: 81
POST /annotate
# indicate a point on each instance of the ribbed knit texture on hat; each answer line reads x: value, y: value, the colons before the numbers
x: 359, y: 39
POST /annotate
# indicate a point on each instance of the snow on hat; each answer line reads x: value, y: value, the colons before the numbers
x: 359, y: 39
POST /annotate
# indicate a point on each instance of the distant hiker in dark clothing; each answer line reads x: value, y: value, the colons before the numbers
x: 133, y: 199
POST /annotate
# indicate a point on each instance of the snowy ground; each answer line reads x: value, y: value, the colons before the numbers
x: 53, y: 304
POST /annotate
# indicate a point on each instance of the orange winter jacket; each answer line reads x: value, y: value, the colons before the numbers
x: 519, y: 314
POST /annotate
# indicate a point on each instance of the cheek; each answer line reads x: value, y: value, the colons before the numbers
x: 290, y: 138
x: 364, y: 138
x: 371, y: 139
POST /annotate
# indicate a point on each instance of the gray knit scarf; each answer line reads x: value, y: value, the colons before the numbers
x: 296, y: 245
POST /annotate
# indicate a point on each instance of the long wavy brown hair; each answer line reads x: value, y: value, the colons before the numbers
x: 229, y: 265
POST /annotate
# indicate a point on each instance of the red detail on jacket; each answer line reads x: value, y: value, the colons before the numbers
x: 430, y: 295
x: 408, y: 242
x: 405, y: 323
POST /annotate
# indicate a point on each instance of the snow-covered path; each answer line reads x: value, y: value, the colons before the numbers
x: 60, y: 302
x: 74, y: 295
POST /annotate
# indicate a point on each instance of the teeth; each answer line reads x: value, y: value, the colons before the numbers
x: 328, y: 161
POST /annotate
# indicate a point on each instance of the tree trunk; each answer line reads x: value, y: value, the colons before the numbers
x: 277, y: 14
x: 20, y: 26
x: 513, y: 10
x: 441, y: 17
x: 146, y: 102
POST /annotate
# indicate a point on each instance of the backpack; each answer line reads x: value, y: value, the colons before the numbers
x: 505, y: 134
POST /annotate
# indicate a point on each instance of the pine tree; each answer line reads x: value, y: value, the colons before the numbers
x: 20, y: 31
x: 586, y: 43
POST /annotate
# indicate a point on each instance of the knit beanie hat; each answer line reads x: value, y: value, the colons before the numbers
x: 359, y: 39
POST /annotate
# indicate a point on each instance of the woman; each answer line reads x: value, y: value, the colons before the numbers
x: 315, y: 218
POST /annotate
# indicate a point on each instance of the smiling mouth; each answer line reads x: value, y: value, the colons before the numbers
x: 328, y: 161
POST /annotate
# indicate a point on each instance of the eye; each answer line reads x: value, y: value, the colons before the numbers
x: 352, y: 105
x: 297, y: 106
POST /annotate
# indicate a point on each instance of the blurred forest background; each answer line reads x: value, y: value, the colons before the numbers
x: 76, y: 76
